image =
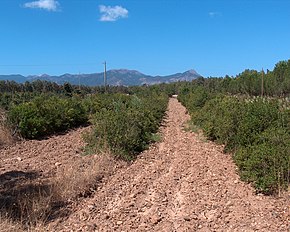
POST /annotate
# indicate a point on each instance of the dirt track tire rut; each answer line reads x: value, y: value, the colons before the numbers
x: 179, y: 184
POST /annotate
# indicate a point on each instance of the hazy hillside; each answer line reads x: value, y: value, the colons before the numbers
x: 114, y: 77
x: 17, y: 78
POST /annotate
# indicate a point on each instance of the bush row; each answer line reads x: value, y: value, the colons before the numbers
x: 257, y: 130
x: 125, y: 124
x: 44, y: 116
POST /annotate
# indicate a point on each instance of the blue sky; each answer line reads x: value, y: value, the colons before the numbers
x: 156, y: 37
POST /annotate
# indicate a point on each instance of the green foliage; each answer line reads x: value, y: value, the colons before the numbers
x: 266, y: 162
x: 45, y: 116
x: 125, y: 124
x: 9, y: 99
x: 274, y: 83
x: 258, y: 115
x: 195, y: 98
x: 68, y: 89
x: 217, y: 121
x: 257, y: 130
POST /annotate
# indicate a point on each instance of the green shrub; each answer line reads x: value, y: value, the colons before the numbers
x: 125, y: 124
x: 218, y: 122
x: 45, y: 116
x: 121, y: 130
x: 266, y: 163
x: 256, y: 130
x: 257, y: 116
x: 195, y: 98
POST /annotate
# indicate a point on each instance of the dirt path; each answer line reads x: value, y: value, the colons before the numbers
x: 179, y: 184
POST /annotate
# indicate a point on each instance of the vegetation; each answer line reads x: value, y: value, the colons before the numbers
x: 45, y: 116
x: 126, y: 124
x: 256, y: 129
x: 274, y: 83
x: 122, y: 123
x: 29, y: 204
x: 248, y: 113
x: 6, y: 137
x: 252, y: 120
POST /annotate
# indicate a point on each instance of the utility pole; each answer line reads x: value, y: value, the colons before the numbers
x: 79, y: 81
x: 262, y: 84
x: 105, y: 76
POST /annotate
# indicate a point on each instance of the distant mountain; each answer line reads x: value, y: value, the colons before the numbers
x: 17, y: 78
x: 114, y: 77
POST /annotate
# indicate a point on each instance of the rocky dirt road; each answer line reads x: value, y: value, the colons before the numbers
x: 180, y: 184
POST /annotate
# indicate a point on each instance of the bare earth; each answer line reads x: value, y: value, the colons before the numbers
x: 43, y: 156
x: 180, y: 184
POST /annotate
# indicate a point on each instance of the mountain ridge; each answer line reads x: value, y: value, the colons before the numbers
x: 115, y: 77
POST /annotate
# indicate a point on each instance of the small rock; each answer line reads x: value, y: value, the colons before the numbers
x: 132, y: 195
x: 202, y: 216
x: 19, y: 159
x: 164, y: 200
x: 155, y: 219
x: 119, y: 223
x: 83, y: 217
x: 186, y: 218
x: 131, y: 204
x: 211, y: 215
x: 57, y: 164
x: 229, y: 203
x: 236, y: 181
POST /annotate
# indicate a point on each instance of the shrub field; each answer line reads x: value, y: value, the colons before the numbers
x: 122, y: 123
x: 255, y: 129
x: 45, y: 116
x: 126, y: 124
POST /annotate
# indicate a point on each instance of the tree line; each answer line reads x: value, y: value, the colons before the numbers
x: 274, y: 83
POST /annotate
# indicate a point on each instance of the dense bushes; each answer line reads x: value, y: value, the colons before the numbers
x: 255, y: 129
x: 125, y: 124
x: 194, y: 98
x: 266, y: 162
x: 44, y: 116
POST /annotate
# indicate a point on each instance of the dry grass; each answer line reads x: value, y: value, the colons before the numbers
x: 35, y: 204
x: 6, y: 137
x: 82, y: 177
x: 190, y: 126
x: 7, y: 225
x: 28, y: 202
